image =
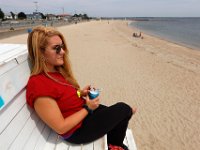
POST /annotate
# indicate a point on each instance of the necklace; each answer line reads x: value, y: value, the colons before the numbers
x: 78, y: 92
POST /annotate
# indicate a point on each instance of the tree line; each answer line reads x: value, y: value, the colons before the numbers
x: 22, y: 15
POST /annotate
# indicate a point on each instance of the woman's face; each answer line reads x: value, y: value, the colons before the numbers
x: 54, y: 53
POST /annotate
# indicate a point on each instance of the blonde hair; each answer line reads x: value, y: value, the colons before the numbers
x: 37, y: 42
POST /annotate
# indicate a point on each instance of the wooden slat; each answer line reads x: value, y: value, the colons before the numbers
x: 51, y: 141
x: 43, y: 138
x: 96, y: 145
x: 4, y: 48
x: 89, y: 146
x: 105, y: 142
x: 6, y: 63
x: 10, y: 86
x: 75, y: 147
x: 61, y: 145
x: 100, y: 143
x: 35, y: 136
x: 126, y: 141
x: 130, y: 140
x: 14, y: 128
x: 7, y: 115
x: 7, y: 66
x: 22, y: 57
x: 25, y: 133
x: 9, y: 52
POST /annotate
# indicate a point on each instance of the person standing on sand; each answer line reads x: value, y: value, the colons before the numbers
x: 54, y: 93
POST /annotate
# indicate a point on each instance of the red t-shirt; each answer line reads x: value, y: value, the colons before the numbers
x: 65, y: 95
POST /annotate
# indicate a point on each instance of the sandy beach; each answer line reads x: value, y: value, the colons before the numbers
x: 160, y: 78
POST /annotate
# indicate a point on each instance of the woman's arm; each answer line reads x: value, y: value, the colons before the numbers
x: 49, y: 112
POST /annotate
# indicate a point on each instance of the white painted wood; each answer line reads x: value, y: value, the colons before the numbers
x: 35, y: 136
x: 23, y: 136
x: 43, y: 138
x: 7, y: 66
x: 89, y: 146
x: 131, y: 142
x: 51, y: 141
x: 105, y: 142
x: 10, y: 51
x: 7, y: 115
x: 126, y: 141
x: 14, y: 128
x: 13, y: 81
x: 100, y: 143
x: 61, y: 145
x: 21, y: 58
x: 4, y: 48
x: 76, y: 147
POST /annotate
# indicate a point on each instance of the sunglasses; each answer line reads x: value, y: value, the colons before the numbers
x: 58, y: 48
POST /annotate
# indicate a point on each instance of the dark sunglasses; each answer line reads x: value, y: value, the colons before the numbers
x: 58, y: 48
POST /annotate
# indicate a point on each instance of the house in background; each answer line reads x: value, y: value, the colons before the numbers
x: 65, y: 17
x: 51, y: 17
x: 9, y: 16
x: 34, y: 16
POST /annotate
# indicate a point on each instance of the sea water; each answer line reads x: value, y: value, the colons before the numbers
x: 184, y: 31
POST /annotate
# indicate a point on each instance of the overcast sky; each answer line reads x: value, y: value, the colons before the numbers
x: 107, y: 8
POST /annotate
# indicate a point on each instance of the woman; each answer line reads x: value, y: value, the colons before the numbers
x: 55, y: 95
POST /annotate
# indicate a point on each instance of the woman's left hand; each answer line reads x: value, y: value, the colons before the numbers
x: 85, y: 90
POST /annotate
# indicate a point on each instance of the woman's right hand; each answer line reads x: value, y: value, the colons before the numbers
x: 92, y: 104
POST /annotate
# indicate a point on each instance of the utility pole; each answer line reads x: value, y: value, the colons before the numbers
x: 63, y: 10
x: 36, y: 6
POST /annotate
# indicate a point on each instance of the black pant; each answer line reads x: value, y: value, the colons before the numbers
x: 112, y: 121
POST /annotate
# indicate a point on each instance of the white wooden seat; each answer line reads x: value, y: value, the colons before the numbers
x: 20, y: 127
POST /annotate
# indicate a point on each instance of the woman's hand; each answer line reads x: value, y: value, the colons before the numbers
x: 85, y: 90
x: 92, y: 104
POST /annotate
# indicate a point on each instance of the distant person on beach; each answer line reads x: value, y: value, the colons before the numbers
x: 138, y: 36
x: 134, y: 34
x: 54, y: 93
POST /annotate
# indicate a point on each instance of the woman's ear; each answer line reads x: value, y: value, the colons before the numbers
x: 42, y: 57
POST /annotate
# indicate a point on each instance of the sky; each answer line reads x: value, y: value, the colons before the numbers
x: 107, y: 8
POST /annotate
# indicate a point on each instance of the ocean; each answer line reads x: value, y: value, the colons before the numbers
x: 183, y: 31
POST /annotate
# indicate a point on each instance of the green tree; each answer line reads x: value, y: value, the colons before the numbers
x: 43, y: 16
x: 1, y: 14
x: 21, y: 15
x: 75, y: 15
x: 12, y: 14
x: 85, y: 16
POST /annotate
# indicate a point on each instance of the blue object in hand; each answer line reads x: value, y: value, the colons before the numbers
x: 93, y: 94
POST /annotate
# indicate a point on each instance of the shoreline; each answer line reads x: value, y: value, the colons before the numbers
x: 171, y: 41
x: 166, y: 38
x: 160, y: 78
x: 178, y: 48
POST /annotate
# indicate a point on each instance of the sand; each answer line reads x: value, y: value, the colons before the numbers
x: 161, y: 78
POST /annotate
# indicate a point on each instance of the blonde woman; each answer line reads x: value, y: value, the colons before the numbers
x: 55, y: 95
